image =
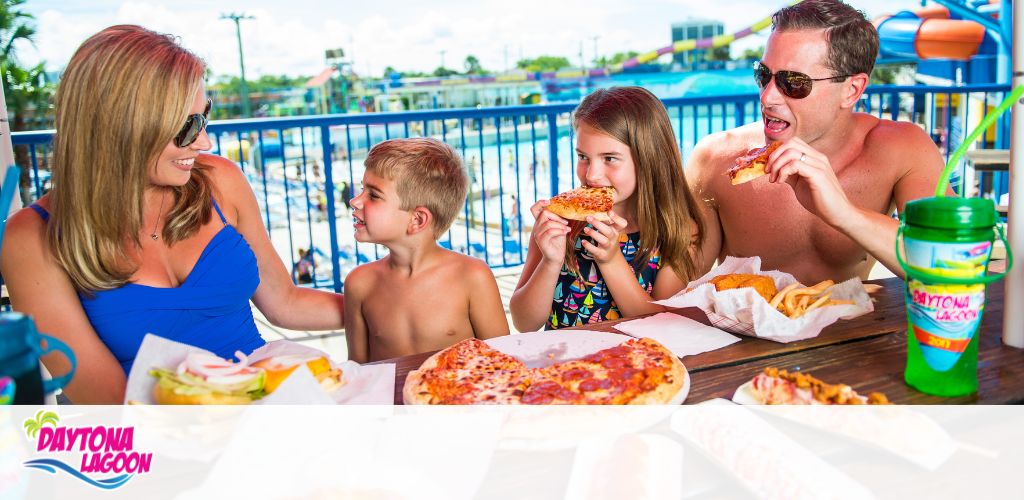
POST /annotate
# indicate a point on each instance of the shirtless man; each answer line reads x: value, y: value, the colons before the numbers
x: 420, y: 297
x: 823, y: 210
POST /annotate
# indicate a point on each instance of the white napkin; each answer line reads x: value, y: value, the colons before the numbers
x: 743, y: 311
x: 681, y: 335
x: 374, y: 385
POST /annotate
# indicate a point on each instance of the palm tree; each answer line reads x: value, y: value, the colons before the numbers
x: 473, y: 66
x: 33, y: 425
x: 25, y: 90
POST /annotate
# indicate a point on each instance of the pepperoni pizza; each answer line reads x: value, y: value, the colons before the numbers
x: 638, y: 371
x: 751, y: 165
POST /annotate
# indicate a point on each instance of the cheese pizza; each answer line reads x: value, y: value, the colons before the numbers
x: 584, y: 201
x: 638, y: 371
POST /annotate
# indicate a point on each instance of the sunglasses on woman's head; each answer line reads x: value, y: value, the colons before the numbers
x: 194, y: 125
x: 791, y: 83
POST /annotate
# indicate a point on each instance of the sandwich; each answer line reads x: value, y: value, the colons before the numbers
x: 204, y: 379
x: 279, y: 368
x: 751, y: 165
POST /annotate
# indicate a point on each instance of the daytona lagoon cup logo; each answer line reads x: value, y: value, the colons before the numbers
x: 104, y: 456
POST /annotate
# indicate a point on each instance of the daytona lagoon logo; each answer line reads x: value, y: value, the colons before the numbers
x: 103, y: 451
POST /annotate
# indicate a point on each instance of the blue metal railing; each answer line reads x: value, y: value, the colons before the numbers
x: 305, y: 169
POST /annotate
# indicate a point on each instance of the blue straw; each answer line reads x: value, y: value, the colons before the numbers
x: 10, y: 186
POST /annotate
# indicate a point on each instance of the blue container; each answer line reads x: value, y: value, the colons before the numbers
x: 20, y: 348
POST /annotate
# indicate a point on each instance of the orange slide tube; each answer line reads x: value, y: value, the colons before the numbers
x: 948, y: 39
x: 933, y: 12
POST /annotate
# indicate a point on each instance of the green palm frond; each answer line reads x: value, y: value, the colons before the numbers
x: 49, y: 418
x: 31, y: 427
x: 43, y: 417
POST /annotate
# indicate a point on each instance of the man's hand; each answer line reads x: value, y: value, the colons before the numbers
x: 549, y: 231
x: 814, y: 182
x: 605, y: 247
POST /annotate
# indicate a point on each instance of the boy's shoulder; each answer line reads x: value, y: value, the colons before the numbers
x: 362, y: 277
x: 470, y: 267
x: 453, y: 257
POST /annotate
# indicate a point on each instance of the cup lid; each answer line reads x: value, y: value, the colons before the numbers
x: 951, y: 212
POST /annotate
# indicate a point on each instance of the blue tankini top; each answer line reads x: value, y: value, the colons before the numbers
x: 210, y: 309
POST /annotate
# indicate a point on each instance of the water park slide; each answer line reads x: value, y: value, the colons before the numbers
x: 929, y: 33
x: 681, y: 46
x: 688, y: 45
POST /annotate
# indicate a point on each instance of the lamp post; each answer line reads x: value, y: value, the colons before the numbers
x: 246, y: 111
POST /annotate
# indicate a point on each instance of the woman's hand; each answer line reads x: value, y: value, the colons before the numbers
x: 605, y: 236
x: 549, y: 232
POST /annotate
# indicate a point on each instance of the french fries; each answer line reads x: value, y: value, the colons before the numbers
x: 794, y: 301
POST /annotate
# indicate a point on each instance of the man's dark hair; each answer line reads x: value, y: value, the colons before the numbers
x: 852, y: 39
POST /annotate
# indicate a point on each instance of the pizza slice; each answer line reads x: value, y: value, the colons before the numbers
x: 465, y: 387
x: 638, y: 371
x: 751, y: 165
x: 469, y: 372
x: 584, y: 201
x: 472, y: 354
x: 780, y: 387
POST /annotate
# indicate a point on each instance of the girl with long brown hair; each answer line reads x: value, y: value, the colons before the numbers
x: 142, y: 233
x: 593, y: 271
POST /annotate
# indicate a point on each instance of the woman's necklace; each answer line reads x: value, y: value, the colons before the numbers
x: 156, y: 224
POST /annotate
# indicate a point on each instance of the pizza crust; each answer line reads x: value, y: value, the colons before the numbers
x: 415, y: 391
x: 567, y: 212
x: 675, y: 381
x: 749, y: 173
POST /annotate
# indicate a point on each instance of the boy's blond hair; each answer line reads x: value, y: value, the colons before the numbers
x: 427, y: 173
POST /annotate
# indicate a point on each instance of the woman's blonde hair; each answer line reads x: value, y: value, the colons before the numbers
x: 123, y: 97
x: 666, y: 210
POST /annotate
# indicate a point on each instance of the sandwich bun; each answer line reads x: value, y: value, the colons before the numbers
x: 166, y: 394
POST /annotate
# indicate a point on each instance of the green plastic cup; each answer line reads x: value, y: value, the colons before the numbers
x: 948, y: 243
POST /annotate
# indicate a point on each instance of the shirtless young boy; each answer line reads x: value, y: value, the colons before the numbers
x: 420, y: 297
x: 822, y: 212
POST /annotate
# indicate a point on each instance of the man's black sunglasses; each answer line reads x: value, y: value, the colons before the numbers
x: 194, y: 125
x: 791, y: 83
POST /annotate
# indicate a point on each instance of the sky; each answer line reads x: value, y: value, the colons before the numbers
x: 289, y: 37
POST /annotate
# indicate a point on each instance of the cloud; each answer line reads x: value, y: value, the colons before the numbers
x: 290, y: 37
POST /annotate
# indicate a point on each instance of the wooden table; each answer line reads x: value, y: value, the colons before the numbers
x: 868, y: 353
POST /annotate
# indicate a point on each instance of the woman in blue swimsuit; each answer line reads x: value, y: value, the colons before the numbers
x: 142, y: 233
